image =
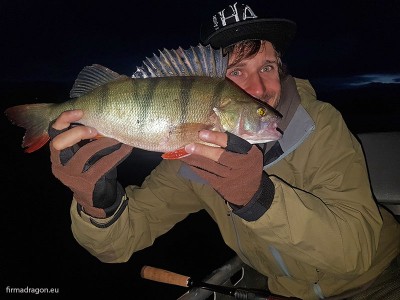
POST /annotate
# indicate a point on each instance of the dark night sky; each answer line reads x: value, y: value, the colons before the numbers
x: 54, y: 40
x: 340, y: 46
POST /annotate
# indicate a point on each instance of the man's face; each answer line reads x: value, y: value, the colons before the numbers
x: 258, y: 75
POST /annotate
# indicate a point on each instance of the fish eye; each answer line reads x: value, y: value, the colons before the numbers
x: 261, y: 111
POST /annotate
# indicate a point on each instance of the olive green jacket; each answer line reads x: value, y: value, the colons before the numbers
x: 322, y: 235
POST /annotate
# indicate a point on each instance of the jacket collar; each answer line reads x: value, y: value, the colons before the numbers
x: 296, y: 124
x: 290, y: 100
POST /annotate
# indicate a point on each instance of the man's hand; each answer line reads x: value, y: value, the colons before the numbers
x: 234, y: 169
x: 67, y: 136
x: 89, y: 171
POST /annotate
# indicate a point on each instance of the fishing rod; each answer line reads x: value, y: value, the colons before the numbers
x: 169, y: 277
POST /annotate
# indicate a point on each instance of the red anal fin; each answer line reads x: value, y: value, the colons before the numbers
x: 176, y: 154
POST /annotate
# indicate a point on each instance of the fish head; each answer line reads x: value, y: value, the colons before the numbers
x: 250, y: 119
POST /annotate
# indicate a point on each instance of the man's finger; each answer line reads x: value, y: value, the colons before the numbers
x: 66, y: 118
x: 211, y: 152
x: 73, y: 136
x: 214, y: 137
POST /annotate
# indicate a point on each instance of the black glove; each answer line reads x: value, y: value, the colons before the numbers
x: 90, y: 171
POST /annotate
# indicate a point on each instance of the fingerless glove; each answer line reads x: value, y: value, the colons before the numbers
x: 90, y: 171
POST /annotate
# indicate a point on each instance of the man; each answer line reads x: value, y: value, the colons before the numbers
x: 300, y: 211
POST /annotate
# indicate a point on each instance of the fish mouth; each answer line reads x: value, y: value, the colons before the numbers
x: 269, y: 132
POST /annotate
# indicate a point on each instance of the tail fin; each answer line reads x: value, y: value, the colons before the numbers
x: 35, y: 119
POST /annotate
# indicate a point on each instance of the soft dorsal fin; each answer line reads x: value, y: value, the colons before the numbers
x: 92, y: 77
x: 195, y: 61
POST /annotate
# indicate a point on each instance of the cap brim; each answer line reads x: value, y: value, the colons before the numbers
x: 280, y: 32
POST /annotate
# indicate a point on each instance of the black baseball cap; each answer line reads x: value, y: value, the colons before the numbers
x: 238, y: 22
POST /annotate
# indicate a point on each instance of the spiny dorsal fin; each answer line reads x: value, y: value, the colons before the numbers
x: 92, y: 77
x: 195, y: 61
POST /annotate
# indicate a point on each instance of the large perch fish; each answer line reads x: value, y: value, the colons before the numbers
x: 160, y: 108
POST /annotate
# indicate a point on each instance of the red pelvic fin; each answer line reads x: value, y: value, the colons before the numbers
x: 176, y: 154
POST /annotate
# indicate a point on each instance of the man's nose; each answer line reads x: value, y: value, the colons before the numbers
x: 255, y: 86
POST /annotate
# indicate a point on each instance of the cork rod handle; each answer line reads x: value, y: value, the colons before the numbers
x: 164, y: 276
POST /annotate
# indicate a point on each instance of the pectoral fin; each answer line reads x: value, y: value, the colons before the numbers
x: 184, y: 134
x: 176, y: 154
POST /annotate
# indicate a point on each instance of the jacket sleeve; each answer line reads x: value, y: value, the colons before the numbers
x: 163, y: 200
x: 324, y: 212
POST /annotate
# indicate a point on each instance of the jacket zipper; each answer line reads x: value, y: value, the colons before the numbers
x: 238, y: 239
x: 279, y: 260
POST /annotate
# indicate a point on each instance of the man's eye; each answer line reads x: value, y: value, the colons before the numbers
x: 268, y: 68
x: 235, y: 73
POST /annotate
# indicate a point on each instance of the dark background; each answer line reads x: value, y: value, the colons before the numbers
x: 347, y: 49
